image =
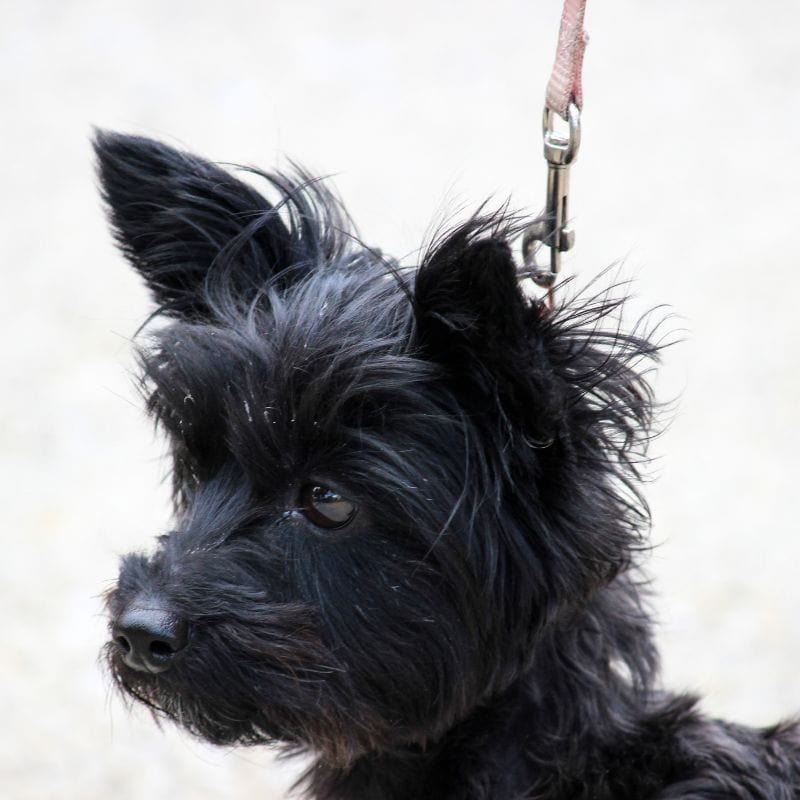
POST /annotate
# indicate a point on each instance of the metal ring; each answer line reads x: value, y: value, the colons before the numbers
x: 558, y: 148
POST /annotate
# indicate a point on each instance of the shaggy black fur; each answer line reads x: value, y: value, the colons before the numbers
x: 408, y: 510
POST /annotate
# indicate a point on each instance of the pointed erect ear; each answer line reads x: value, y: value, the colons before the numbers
x: 175, y: 215
x: 473, y: 319
x: 467, y: 296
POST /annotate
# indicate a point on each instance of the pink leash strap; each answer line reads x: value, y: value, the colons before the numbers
x: 564, y: 86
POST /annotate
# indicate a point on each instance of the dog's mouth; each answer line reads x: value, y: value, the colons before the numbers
x: 295, y: 711
x: 232, y: 683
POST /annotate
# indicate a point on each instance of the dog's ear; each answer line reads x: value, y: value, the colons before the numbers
x: 197, y: 235
x: 473, y: 318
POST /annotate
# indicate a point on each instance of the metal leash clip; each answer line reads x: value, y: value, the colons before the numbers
x: 552, y: 230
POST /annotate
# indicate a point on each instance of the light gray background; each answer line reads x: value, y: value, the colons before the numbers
x: 688, y: 173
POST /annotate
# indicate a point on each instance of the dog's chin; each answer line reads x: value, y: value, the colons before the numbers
x: 221, y: 721
x: 168, y: 696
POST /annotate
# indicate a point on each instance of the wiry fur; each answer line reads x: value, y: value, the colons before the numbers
x: 478, y: 630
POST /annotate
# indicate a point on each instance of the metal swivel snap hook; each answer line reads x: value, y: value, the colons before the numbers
x: 553, y: 231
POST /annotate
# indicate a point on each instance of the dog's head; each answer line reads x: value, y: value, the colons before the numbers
x: 388, y: 482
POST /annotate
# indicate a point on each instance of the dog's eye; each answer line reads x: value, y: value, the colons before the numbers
x: 325, y: 507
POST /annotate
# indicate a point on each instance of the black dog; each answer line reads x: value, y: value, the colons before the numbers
x: 408, y: 511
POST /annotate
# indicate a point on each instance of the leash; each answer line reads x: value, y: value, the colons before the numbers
x: 564, y: 100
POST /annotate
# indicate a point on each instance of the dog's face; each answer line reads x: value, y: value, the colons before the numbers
x: 387, y: 483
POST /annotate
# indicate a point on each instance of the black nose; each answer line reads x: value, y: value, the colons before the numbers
x: 148, y: 635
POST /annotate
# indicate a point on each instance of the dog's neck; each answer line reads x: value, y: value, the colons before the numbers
x: 515, y: 745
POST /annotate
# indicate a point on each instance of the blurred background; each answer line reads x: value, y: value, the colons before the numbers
x: 688, y: 175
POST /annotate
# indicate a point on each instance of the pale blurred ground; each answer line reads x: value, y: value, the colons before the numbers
x: 689, y: 172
